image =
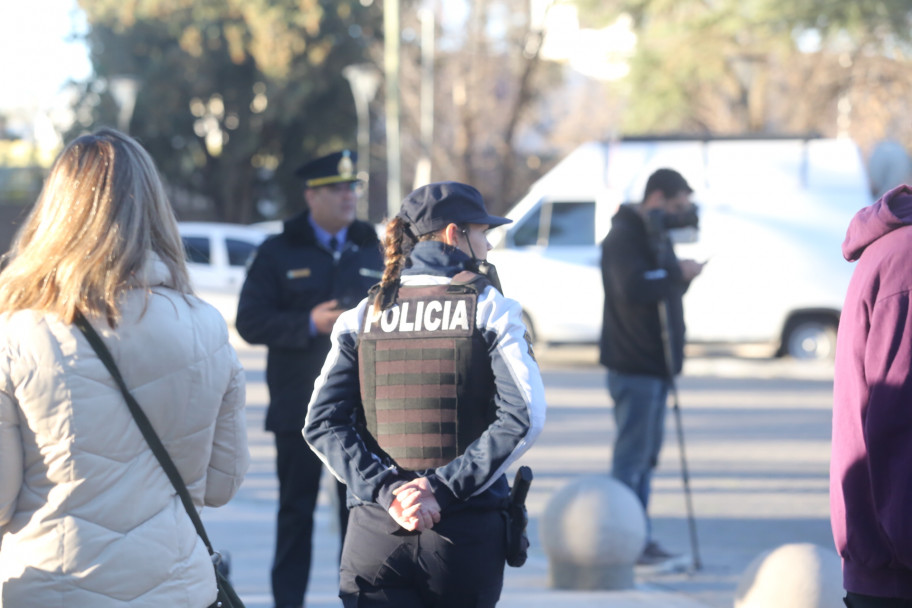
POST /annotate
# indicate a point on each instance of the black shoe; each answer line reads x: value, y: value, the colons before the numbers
x: 654, y: 554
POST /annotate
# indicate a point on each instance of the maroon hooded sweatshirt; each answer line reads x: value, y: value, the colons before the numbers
x: 871, y: 463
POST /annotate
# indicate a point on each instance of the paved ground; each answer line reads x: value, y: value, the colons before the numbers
x: 757, y: 442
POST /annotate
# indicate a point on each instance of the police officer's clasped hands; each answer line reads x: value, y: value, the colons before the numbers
x: 415, y: 507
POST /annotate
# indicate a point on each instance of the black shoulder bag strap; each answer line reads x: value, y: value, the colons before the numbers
x: 148, y: 432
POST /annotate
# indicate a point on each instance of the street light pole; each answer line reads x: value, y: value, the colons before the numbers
x: 364, y: 79
x: 391, y: 67
x: 423, y: 169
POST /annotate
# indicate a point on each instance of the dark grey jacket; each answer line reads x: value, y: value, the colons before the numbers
x: 635, y: 282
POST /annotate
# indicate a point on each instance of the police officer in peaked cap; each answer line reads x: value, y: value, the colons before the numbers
x: 422, y: 449
x: 298, y: 284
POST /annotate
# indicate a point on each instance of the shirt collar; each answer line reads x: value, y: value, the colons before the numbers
x: 323, y: 236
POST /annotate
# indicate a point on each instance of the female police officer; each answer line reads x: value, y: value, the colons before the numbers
x: 429, y: 394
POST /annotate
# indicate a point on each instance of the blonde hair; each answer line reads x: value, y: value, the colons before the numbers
x: 102, y: 212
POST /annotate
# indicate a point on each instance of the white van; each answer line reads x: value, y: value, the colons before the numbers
x: 773, y: 215
x: 217, y: 256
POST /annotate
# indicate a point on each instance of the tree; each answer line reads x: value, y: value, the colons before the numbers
x: 763, y: 66
x: 489, y: 74
x: 233, y: 94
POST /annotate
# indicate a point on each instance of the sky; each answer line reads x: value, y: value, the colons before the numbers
x: 35, y: 57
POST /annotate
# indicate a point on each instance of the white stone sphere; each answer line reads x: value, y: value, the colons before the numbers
x: 593, y: 530
x: 796, y: 575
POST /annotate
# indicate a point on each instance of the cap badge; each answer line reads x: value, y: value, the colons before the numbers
x: 345, y: 168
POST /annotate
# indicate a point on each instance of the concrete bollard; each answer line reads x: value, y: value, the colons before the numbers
x: 798, y: 575
x: 593, y: 530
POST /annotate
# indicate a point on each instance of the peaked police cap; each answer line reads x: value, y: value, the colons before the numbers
x: 335, y: 168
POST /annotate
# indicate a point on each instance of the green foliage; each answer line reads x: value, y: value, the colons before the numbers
x: 856, y: 18
x: 726, y: 65
x: 599, y: 13
x: 233, y: 94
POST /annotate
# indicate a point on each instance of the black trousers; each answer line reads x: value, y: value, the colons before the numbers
x: 299, y: 472
x: 857, y: 600
x: 457, y: 564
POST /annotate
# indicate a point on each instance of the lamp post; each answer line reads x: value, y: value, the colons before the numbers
x: 124, y: 88
x: 364, y: 80
x: 423, y: 168
x: 391, y: 35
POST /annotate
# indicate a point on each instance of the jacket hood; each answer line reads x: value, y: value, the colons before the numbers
x: 434, y: 257
x: 892, y: 211
x: 299, y: 229
x: 628, y: 215
x: 154, y: 273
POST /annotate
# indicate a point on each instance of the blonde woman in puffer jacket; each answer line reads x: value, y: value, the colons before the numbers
x: 87, y: 515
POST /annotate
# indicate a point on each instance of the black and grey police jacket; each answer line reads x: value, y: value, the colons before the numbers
x: 334, y: 426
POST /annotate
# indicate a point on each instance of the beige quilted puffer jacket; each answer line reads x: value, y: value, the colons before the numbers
x: 87, y: 516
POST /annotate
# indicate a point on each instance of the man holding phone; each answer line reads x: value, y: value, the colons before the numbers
x: 298, y: 284
x: 639, y: 271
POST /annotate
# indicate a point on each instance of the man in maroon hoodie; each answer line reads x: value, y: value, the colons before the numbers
x: 871, y: 464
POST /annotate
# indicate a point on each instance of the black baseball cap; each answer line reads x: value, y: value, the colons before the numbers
x: 669, y: 181
x: 335, y: 168
x: 432, y: 207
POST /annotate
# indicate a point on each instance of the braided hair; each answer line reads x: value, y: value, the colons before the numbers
x: 397, y: 244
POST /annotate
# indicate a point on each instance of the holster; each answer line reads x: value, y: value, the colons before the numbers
x: 517, y: 540
x: 517, y: 518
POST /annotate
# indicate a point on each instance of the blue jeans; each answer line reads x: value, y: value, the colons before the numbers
x: 639, y: 415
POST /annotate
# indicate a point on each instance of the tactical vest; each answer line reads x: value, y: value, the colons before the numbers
x: 427, y: 387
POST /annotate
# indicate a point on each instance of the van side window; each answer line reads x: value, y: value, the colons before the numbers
x: 572, y: 224
x: 526, y: 232
x: 197, y: 248
x: 557, y: 224
x: 239, y: 251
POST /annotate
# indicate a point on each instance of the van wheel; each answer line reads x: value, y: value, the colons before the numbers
x: 810, y: 338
